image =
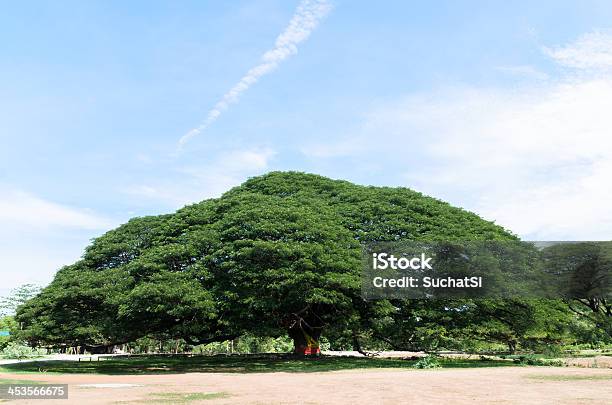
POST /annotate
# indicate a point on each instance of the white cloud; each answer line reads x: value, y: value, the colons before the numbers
x: 523, y: 71
x: 576, y: 207
x: 537, y: 159
x: 166, y: 194
x: 245, y: 160
x: 306, y: 18
x: 38, y: 236
x: 590, y: 51
x: 227, y: 170
x: 343, y: 147
x: 23, y: 209
x: 536, y: 162
x: 34, y: 263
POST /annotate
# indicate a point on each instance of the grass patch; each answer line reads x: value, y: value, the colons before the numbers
x: 184, y: 398
x: 571, y: 377
x: 178, y: 397
x: 229, y: 364
x: 11, y: 381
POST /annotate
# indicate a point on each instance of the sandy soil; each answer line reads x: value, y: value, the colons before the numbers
x: 595, y: 362
x: 500, y: 385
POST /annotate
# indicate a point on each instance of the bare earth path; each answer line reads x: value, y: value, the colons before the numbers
x: 498, y: 385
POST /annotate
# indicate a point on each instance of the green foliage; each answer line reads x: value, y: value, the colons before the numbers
x: 16, y: 350
x: 7, y: 323
x: 17, y: 297
x: 533, y: 360
x: 279, y: 250
x: 247, y: 344
x: 583, y: 272
x: 551, y: 351
x: 429, y: 361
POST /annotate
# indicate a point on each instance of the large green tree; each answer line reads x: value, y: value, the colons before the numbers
x: 280, y: 254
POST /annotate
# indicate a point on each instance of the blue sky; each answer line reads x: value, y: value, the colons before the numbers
x: 497, y: 107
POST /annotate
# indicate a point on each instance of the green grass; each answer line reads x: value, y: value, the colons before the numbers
x: 571, y: 377
x: 228, y: 364
x: 178, y: 397
x: 11, y: 381
x: 184, y: 398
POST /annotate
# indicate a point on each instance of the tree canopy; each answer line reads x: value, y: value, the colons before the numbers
x: 279, y: 254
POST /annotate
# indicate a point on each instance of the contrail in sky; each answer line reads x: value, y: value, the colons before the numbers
x: 306, y: 18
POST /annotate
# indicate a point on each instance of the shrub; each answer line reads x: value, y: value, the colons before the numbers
x: 430, y: 361
x: 531, y: 360
x: 4, y: 342
x: 16, y: 350
x: 552, y: 351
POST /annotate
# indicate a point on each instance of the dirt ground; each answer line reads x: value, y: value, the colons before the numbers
x: 595, y: 362
x: 499, y: 385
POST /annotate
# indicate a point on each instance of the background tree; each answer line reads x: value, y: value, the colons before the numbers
x: 17, y: 297
x: 582, y: 273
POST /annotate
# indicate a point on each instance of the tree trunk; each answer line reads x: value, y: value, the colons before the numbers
x: 305, y: 339
x: 357, y: 344
x: 109, y: 349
